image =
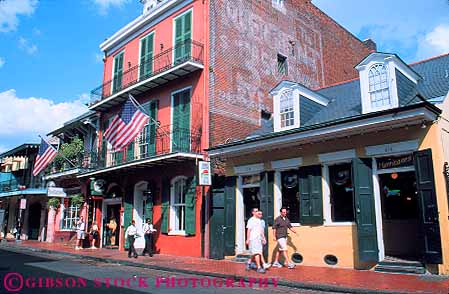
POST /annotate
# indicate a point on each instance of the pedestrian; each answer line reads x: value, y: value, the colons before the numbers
x: 95, y: 235
x: 131, y: 235
x: 148, y: 231
x: 259, y: 215
x: 80, y: 234
x: 280, y: 232
x: 255, y: 239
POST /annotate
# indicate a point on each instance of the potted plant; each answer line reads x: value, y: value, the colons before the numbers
x: 77, y: 200
x: 54, y: 203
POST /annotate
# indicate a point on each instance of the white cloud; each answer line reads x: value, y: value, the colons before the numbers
x: 10, y: 9
x: 29, y: 117
x: 27, y: 46
x: 104, y: 5
x: 2, y: 62
x: 435, y: 42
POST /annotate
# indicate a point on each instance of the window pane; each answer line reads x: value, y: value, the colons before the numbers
x: 341, y: 189
x: 290, y: 194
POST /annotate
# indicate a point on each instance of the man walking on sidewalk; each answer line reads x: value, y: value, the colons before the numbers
x: 255, y: 239
x: 80, y: 233
x: 280, y: 231
x: 148, y: 231
x: 131, y: 235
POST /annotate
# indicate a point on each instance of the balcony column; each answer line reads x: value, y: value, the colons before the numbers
x: 51, y: 225
x: 42, y: 224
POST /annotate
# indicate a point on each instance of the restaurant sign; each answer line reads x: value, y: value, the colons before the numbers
x: 395, y: 161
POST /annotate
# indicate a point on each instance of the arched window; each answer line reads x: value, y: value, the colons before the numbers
x: 378, y: 86
x: 178, y: 203
x: 286, y: 109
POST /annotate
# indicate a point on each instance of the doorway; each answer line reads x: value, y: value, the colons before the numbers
x: 400, y: 215
x: 111, y: 225
x: 34, y: 221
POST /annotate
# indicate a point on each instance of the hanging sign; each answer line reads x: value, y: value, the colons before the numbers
x: 205, y: 178
x: 23, y: 203
x: 394, y: 161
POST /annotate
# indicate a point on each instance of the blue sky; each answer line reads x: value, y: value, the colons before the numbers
x: 50, y: 59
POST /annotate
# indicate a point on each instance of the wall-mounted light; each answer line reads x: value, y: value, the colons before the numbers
x: 423, y: 125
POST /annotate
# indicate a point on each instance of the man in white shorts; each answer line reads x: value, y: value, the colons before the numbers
x: 280, y: 227
x: 80, y: 232
x: 255, y: 239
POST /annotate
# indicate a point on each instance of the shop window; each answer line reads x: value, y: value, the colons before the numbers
x: 71, y: 216
x: 178, y: 204
x: 341, y: 192
x: 290, y: 194
x: 399, y: 197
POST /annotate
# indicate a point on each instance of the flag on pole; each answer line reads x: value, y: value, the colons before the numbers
x: 44, y: 157
x: 126, y: 126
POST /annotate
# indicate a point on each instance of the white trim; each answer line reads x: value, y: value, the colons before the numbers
x: 181, y: 154
x: 177, y: 233
x: 239, y: 218
x: 286, y: 164
x: 411, y: 117
x: 249, y: 169
x: 277, y: 191
x: 337, y: 156
x: 61, y: 174
x: 172, y: 216
x: 106, y: 202
x: 304, y: 91
x: 152, y: 78
x: 378, y: 211
x: 384, y: 149
x: 171, y: 113
x: 295, y: 96
x: 139, y: 212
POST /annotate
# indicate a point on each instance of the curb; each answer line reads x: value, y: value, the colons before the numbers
x: 286, y: 283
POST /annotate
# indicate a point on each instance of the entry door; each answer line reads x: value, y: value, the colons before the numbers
x: 365, y: 210
x: 428, y: 207
x: 217, y: 224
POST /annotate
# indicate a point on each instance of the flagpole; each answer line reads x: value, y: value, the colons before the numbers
x: 137, y: 104
x: 57, y: 151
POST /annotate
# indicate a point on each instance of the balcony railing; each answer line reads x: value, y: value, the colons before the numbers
x: 13, y: 184
x: 165, y: 141
x: 82, y: 162
x: 188, y: 50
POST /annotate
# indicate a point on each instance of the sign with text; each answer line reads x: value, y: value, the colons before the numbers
x: 56, y: 192
x: 394, y: 161
x: 205, y: 178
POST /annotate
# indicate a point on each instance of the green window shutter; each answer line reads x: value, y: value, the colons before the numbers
x: 190, y: 199
x: 365, y: 210
x: 146, y: 56
x: 183, y: 34
x: 311, y: 195
x: 181, y: 122
x: 149, y: 209
x: 118, y: 72
x: 165, y: 205
x: 152, y: 111
x: 187, y: 35
x: 267, y: 196
x: 128, y: 211
x: 229, y: 232
x: 130, y: 152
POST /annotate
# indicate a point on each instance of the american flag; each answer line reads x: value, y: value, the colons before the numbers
x: 125, y: 127
x: 44, y: 157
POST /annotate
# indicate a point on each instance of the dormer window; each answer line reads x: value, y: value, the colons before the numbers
x: 286, y: 110
x: 379, y: 89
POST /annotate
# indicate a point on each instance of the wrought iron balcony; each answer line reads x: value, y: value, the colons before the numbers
x: 15, y: 185
x: 80, y: 164
x: 171, y: 64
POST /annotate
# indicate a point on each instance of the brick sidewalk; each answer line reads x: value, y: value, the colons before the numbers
x: 321, y: 278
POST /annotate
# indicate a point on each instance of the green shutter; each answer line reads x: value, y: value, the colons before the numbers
x: 146, y: 56
x: 152, y: 111
x: 229, y: 232
x: 365, y: 210
x: 165, y: 205
x: 190, y: 199
x: 311, y: 196
x: 118, y: 72
x: 130, y: 152
x: 267, y: 196
x: 128, y: 211
x: 181, y: 122
x: 149, y: 209
x: 183, y: 34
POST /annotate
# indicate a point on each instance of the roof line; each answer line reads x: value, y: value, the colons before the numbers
x: 429, y: 59
x: 336, y: 84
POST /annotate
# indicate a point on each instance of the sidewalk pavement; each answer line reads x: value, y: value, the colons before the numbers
x: 305, y: 277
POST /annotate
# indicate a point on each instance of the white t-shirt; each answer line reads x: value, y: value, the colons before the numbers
x: 256, y: 226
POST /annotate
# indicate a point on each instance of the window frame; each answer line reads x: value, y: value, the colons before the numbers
x: 277, y: 117
x: 74, y: 212
x: 376, y: 86
x: 173, y: 211
x: 282, y: 58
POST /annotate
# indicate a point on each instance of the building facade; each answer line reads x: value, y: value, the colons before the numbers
x: 202, y: 71
x: 361, y: 167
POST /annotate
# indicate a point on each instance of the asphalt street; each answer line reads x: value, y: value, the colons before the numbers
x: 44, y: 273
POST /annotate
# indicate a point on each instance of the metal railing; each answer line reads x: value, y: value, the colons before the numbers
x: 188, y: 50
x: 82, y: 162
x: 13, y: 184
x: 165, y: 141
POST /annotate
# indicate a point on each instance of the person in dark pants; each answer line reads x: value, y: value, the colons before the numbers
x: 148, y: 231
x: 131, y: 235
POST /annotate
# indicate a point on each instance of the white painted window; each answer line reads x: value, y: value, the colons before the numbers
x: 178, y: 204
x: 70, y: 218
x: 286, y: 110
x: 378, y: 86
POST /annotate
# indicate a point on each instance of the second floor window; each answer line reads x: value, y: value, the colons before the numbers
x: 118, y: 72
x: 183, y: 36
x: 146, y: 56
x: 286, y: 109
x: 378, y: 86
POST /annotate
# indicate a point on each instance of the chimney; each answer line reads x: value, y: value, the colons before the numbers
x: 370, y: 44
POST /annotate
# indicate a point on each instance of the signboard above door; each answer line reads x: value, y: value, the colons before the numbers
x: 394, y: 161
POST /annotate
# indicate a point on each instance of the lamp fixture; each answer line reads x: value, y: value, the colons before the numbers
x: 423, y: 125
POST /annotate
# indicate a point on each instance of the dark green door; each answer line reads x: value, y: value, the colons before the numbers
x: 365, y: 210
x: 183, y: 35
x: 217, y: 224
x: 118, y: 72
x: 428, y: 207
x: 229, y: 234
x: 146, y: 56
x: 181, y: 122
